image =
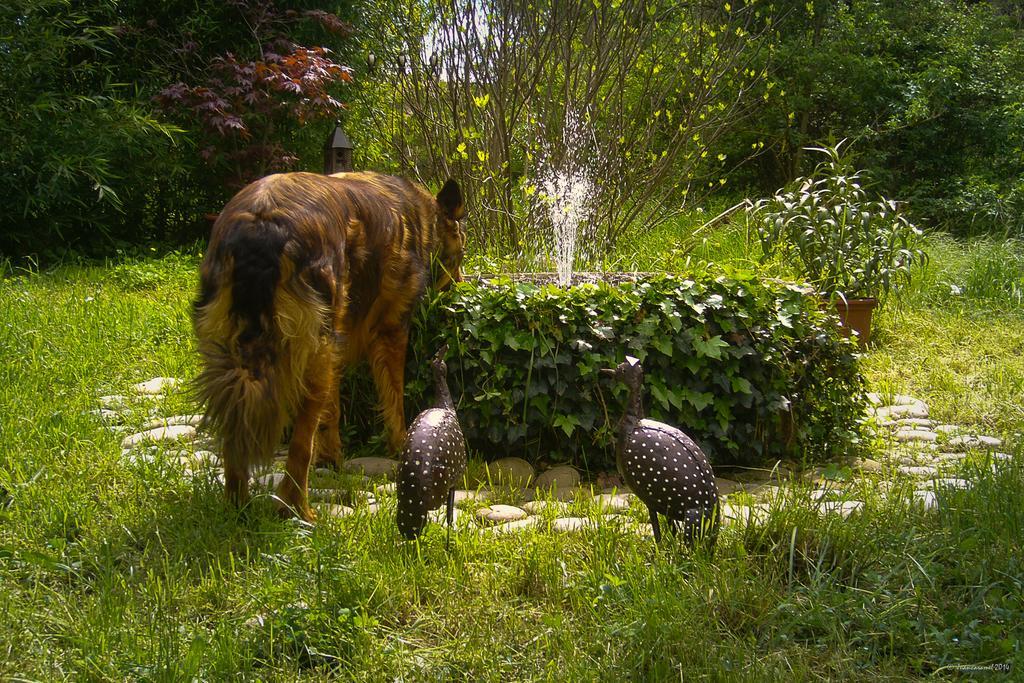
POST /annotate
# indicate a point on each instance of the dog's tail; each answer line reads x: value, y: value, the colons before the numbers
x: 258, y: 326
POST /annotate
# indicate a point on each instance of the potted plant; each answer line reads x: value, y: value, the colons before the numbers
x: 853, y: 248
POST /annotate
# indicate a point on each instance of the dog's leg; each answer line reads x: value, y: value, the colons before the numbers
x: 387, y: 362
x: 236, y: 482
x: 293, y: 488
x: 328, y: 442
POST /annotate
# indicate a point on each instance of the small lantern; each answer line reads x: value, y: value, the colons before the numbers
x: 371, y: 62
x: 337, y: 152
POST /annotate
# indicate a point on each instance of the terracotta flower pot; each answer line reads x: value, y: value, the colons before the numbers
x: 855, y: 315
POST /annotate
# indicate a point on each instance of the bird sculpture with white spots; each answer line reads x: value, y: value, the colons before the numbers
x: 663, y: 466
x: 433, y: 460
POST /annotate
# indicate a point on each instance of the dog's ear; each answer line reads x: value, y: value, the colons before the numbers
x: 450, y: 200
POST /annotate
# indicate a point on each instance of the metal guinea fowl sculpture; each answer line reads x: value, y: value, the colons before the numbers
x: 663, y: 466
x: 433, y: 460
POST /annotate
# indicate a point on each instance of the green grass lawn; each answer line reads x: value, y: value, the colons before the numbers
x: 117, y: 571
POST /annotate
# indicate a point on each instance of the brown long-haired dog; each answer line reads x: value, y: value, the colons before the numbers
x: 305, y: 274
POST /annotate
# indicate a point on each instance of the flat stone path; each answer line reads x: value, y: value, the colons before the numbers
x: 924, y: 461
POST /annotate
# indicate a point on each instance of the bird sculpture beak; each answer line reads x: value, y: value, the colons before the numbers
x: 607, y: 372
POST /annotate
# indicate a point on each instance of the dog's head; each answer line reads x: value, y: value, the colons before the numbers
x: 451, y: 239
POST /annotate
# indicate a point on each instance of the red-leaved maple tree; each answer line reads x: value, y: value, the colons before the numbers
x: 246, y: 110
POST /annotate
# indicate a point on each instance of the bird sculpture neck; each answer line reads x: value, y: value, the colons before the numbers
x: 634, y: 406
x: 444, y: 397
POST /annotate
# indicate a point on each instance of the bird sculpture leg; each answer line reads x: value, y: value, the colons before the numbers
x: 654, y: 524
x: 450, y: 516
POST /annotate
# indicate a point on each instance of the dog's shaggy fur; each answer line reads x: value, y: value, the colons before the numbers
x: 305, y: 274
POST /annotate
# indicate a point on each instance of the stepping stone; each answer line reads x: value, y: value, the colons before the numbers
x: 613, y: 519
x: 561, y: 494
x: 174, y: 421
x: 915, y: 422
x: 618, y: 502
x: 843, y: 508
x: 751, y: 476
x: 136, y: 457
x: 107, y: 415
x: 113, y: 402
x: 329, y: 495
x: 640, y: 529
x: 338, y: 510
x: 372, y: 467
x: 479, y: 495
x: 818, y: 475
x: 874, y: 398
x: 909, y: 435
x: 358, y: 496
x: 611, y: 482
x: 536, y: 507
x: 324, y: 472
x: 389, y: 489
x: 921, y: 472
x: 821, y: 494
x: 439, y: 516
x: 950, y: 457
x: 743, y: 513
x: 513, y: 526
x: 947, y: 429
x: 949, y: 483
x: 785, y: 470
x: 272, y: 480
x: 727, y: 486
x: 509, y: 471
x: 501, y: 513
x: 200, y: 459
x: 169, y: 434
x: 155, y: 386
x: 926, y: 499
x: 919, y: 410
x: 866, y: 465
x: 560, y: 477
x: 573, y: 524
x: 971, y: 441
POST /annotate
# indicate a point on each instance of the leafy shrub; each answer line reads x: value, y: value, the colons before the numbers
x: 240, y: 107
x: 752, y: 370
x: 837, y: 237
x: 931, y: 90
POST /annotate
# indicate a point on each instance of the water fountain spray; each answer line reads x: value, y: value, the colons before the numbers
x: 568, y: 192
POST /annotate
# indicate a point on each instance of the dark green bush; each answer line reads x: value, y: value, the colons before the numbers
x: 752, y: 370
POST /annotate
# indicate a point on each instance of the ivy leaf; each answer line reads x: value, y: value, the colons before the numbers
x: 698, y: 399
x: 663, y: 344
x: 567, y: 422
x: 659, y: 392
x: 710, y: 348
x: 742, y: 385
